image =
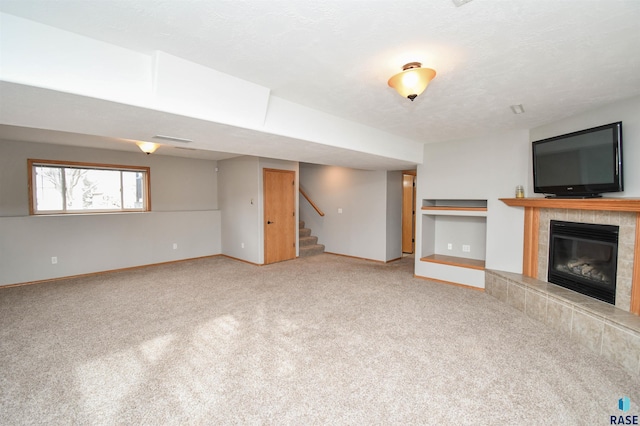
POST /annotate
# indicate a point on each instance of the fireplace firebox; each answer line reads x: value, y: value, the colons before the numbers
x: 583, y: 257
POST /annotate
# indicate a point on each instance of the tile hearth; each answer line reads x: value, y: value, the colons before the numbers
x: 611, y: 331
x: 599, y: 326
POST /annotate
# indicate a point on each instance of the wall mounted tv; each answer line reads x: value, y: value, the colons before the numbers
x: 581, y: 164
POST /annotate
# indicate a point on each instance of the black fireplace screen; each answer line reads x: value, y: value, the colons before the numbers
x: 583, y: 257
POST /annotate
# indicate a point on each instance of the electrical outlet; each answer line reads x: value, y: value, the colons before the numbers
x: 241, y: 245
x: 175, y: 246
x: 449, y: 246
x: 466, y: 248
x: 54, y: 260
x: 339, y: 211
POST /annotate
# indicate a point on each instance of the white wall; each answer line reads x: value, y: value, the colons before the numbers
x: 293, y: 120
x: 487, y: 168
x: 42, y: 56
x: 627, y: 111
x: 184, y: 204
x: 364, y: 228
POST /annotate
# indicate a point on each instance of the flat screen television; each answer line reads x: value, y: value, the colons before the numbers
x: 581, y: 164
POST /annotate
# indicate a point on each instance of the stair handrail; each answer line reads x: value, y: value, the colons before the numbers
x: 317, y: 209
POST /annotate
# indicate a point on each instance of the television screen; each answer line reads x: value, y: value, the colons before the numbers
x: 584, y: 163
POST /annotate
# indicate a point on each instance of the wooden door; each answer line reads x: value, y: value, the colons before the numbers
x: 279, y: 215
x: 408, y: 212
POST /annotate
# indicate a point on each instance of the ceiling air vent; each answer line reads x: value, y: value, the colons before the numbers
x: 172, y: 139
x: 459, y: 3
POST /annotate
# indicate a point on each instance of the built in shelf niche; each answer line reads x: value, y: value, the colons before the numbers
x: 456, y: 222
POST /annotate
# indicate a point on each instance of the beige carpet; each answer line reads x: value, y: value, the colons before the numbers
x: 319, y: 340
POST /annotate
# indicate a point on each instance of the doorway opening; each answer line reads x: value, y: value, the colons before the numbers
x: 408, y: 211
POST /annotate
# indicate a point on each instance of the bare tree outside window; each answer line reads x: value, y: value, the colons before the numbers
x: 71, y: 188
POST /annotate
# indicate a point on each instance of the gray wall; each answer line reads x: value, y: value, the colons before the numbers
x: 394, y: 215
x: 184, y: 212
x: 242, y: 205
x: 176, y: 183
x: 488, y: 168
x: 239, y: 198
x: 627, y: 111
x: 365, y: 227
x: 457, y: 231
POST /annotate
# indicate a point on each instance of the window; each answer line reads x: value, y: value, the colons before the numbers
x: 66, y: 187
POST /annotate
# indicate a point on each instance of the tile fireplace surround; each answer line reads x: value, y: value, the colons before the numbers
x: 613, y: 332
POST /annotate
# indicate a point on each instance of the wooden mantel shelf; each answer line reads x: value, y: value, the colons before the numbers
x: 610, y: 204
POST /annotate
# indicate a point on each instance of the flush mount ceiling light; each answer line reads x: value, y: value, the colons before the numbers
x: 412, y: 81
x: 147, y: 147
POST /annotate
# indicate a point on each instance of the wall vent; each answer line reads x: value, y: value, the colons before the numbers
x: 172, y: 139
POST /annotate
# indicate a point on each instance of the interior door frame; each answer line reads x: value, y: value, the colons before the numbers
x: 407, y: 213
x: 292, y: 174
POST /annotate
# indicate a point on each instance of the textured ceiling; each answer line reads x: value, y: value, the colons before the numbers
x: 556, y: 57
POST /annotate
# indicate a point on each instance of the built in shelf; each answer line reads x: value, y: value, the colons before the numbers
x: 448, y: 208
x: 454, y: 261
x: 454, y: 204
x: 448, y: 225
x: 454, y: 211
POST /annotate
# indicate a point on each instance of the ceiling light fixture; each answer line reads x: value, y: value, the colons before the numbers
x: 517, y: 109
x: 412, y: 81
x: 147, y: 147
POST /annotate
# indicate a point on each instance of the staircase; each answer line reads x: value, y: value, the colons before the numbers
x: 308, y: 245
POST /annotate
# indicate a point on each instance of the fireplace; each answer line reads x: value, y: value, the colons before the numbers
x: 583, y: 257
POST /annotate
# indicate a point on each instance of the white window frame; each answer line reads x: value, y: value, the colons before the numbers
x: 33, y: 163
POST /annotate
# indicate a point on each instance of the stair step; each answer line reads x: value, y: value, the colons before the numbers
x: 308, y: 241
x: 311, y: 250
x: 304, y: 232
x: 301, y: 224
